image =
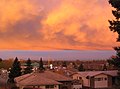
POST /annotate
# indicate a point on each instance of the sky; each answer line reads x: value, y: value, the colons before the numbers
x: 58, y: 54
x: 56, y: 25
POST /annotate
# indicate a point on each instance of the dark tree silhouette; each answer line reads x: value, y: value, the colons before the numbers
x: 116, y: 60
x: 15, y: 71
x: 115, y: 24
x: 1, y: 60
x: 104, y: 67
x: 81, y: 68
x: 115, y: 27
x: 64, y: 64
x: 29, y: 67
x: 41, y: 68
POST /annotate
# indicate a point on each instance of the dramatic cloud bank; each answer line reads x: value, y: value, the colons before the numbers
x: 55, y: 24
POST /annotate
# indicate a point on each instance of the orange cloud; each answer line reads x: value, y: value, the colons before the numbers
x: 13, y: 11
x: 86, y: 24
x: 63, y: 24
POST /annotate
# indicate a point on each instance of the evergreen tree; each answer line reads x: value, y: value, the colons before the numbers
x: 115, y: 24
x: 115, y: 27
x: 41, y: 68
x: 64, y: 64
x: 81, y: 68
x: 116, y: 60
x: 29, y: 67
x: 1, y: 60
x: 15, y: 71
x: 75, y: 66
x: 104, y: 67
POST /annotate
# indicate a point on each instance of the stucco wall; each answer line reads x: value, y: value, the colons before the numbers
x: 76, y: 76
x: 41, y: 87
x: 101, y: 81
x: 77, y: 86
x: 86, y: 82
x: 57, y: 87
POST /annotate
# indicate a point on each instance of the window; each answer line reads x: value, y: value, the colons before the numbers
x: 49, y: 86
x: 105, y: 78
x: 66, y: 83
x: 80, y: 78
x: 98, y: 79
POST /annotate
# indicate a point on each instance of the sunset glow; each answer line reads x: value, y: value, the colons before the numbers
x: 56, y: 25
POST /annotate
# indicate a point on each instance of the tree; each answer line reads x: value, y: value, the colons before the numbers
x: 1, y: 63
x: 104, y: 67
x: 115, y: 24
x: 64, y: 64
x: 6, y: 64
x: 15, y: 71
x: 116, y: 60
x: 81, y: 68
x: 115, y: 27
x: 41, y: 68
x: 29, y: 67
x: 1, y: 60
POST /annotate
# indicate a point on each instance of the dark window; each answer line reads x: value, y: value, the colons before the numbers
x: 98, y: 79
x: 49, y: 86
x: 105, y: 78
x: 80, y: 78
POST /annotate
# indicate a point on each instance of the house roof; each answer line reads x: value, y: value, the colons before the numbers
x: 55, y: 76
x: 94, y: 73
x: 36, y: 79
x: 42, y: 78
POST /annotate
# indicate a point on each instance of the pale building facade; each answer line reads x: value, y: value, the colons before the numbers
x: 97, y: 79
x: 40, y: 87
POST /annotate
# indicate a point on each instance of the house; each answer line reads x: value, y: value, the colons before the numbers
x: 77, y: 84
x: 3, y: 77
x: 3, y: 73
x: 96, y: 79
x: 43, y: 80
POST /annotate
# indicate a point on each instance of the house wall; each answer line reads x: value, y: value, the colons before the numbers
x: 77, y: 86
x: 76, y: 76
x: 66, y: 85
x: 41, y: 87
x: 110, y: 81
x: 86, y: 82
x: 101, y: 81
x: 92, y: 82
x: 32, y: 87
x: 57, y: 87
